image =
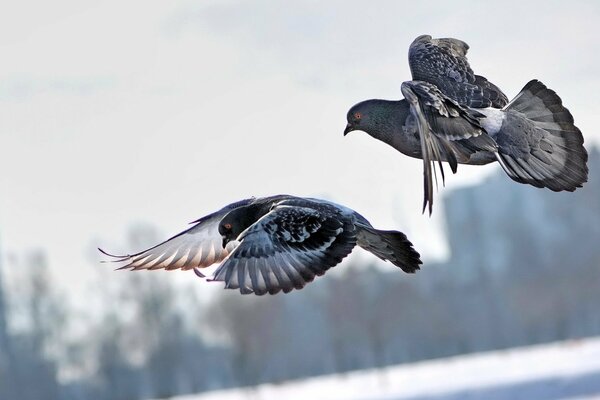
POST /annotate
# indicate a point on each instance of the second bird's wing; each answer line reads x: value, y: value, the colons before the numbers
x: 197, y: 247
x: 444, y: 127
x: 443, y: 62
x: 287, y: 248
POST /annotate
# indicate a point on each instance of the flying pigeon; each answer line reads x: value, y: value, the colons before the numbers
x: 272, y: 244
x: 450, y: 114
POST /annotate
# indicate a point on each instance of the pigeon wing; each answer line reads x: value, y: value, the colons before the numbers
x: 286, y: 249
x: 444, y: 127
x: 443, y: 62
x: 197, y: 247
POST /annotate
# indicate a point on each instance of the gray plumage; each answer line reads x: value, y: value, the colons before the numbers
x: 442, y: 125
x: 539, y: 144
x: 443, y: 62
x: 533, y: 137
x: 273, y: 244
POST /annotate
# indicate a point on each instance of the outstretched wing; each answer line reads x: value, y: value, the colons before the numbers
x: 197, y: 247
x: 443, y: 127
x: 443, y: 62
x: 286, y: 249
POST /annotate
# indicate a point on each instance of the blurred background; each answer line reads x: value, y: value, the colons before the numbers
x: 121, y: 121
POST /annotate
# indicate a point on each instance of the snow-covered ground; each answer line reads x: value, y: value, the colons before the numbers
x: 565, y: 370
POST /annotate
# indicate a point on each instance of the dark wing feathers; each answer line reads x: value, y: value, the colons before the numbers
x: 287, y: 248
x: 491, y: 94
x: 443, y: 126
x: 443, y: 62
x: 196, y: 247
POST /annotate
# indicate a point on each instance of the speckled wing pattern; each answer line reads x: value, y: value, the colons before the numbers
x: 287, y: 248
x: 197, y: 247
x: 443, y: 62
x: 444, y: 127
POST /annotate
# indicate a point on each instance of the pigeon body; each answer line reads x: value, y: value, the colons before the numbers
x: 272, y: 244
x: 451, y: 115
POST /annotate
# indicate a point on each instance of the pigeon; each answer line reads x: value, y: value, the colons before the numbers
x: 451, y: 115
x: 272, y: 244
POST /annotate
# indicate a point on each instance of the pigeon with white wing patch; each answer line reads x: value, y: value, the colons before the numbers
x: 451, y: 115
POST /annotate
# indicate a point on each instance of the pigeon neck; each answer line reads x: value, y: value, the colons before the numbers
x: 391, y: 116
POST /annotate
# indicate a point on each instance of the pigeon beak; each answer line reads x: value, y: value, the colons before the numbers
x: 349, y: 128
x: 225, y: 241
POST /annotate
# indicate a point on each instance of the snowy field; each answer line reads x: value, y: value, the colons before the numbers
x: 565, y: 370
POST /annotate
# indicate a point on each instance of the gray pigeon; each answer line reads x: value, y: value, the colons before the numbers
x: 450, y: 114
x: 266, y: 245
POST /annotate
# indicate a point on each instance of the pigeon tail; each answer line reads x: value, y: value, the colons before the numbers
x: 539, y: 143
x: 390, y: 246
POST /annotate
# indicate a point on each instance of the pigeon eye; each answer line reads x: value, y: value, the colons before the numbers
x: 357, y: 116
x: 227, y: 226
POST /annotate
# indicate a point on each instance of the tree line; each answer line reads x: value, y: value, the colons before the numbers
x: 524, y: 269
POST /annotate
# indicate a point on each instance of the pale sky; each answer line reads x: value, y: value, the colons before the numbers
x: 119, y: 112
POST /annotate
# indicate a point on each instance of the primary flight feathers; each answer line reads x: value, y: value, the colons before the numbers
x: 272, y: 244
x: 450, y: 114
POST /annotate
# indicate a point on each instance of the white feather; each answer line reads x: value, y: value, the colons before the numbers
x: 493, y: 120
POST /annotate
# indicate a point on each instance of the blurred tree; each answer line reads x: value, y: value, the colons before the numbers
x: 251, y: 326
x: 118, y: 379
x: 158, y: 332
x: 7, y: 378
x: 38, y: 344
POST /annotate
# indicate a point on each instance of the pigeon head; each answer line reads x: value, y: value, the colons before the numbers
x: 375, y: 117
x: 227, y: 232
x: 238, y: 220
x: 358, y: 117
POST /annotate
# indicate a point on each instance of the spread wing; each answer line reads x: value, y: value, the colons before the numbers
x: 443, y: 62
x: 197, y: 247
x: 448, y: 132
x: 286, y: 249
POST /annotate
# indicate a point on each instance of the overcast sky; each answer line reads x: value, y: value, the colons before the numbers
x: 122, y: 112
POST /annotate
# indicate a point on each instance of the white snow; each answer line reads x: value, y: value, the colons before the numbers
x: 510, y: 370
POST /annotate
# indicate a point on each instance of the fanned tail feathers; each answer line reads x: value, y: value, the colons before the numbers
x: 556, y: 158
